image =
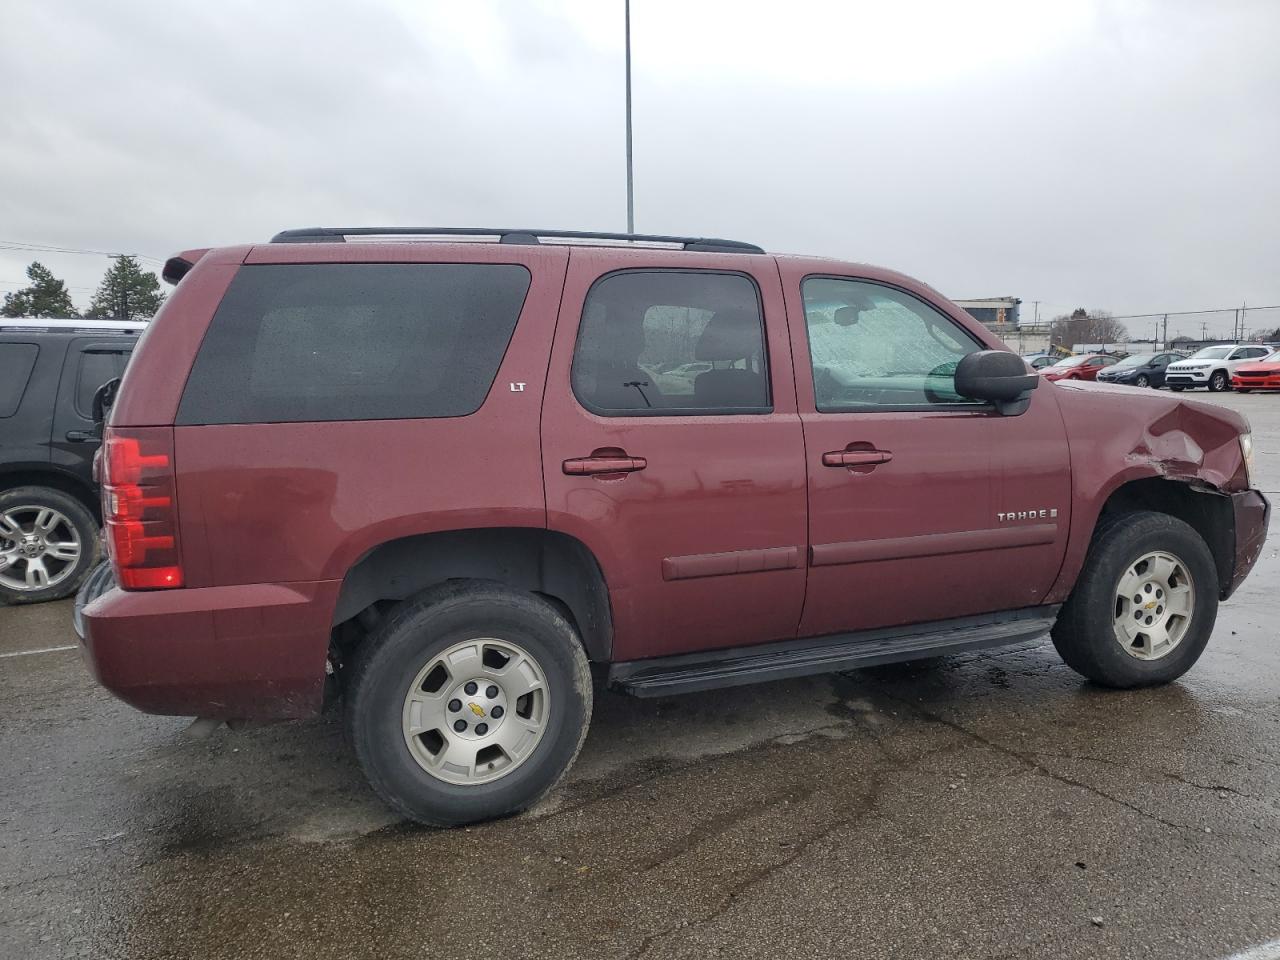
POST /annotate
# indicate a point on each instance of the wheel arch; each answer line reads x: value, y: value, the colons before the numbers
x: 13, y: 476
x: 554, y: 565
x: 1205, y: 509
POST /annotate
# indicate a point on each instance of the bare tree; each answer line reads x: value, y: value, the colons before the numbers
x: 1087, y: 326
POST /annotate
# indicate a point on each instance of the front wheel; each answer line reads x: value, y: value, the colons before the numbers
x: 1144, y: 605
x: 468, y: 703
x: 48, y: 543
x: 1219, y: 381
x: 1142, y: 380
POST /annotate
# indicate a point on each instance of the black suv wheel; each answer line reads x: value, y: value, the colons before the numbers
x: 1144, y: 605
x: 468, y: 703
x: 48, y: 543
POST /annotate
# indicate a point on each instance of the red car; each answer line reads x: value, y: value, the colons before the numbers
x: 1082, y: 367
x: 449, y: 481
x: 1261, y: 374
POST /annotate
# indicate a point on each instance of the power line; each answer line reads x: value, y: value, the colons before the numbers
x: 51, y: 248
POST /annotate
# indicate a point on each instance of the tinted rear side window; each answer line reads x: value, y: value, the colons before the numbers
x: 16, y: 363
x: 96, y: 368
x: 354, y: 341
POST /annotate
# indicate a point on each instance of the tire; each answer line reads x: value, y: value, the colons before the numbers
x: 1219, y: 381
x: 1086, y: 633
x: 1244, y: 389
x: 392, y: 667
x: 1142, y: 380
x: 1176, y: 389
x: 47, y: 522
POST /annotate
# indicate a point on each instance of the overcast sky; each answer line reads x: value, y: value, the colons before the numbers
x: 1116, y: 155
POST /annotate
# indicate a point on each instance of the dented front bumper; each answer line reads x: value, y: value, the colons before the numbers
x: 1251, y: 511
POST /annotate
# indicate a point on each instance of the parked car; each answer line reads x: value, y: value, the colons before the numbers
x: 1038, y: 360
x: 436, y: 474
x: 1261, y: 374
x: 1139, y: 369
x: 1211, y: 367
x: 1083, y: 366
x: 49, y: 371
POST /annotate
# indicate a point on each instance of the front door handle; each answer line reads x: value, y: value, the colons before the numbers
x: 855, y: 458
x: 79, y: 436
x: 584, y: 466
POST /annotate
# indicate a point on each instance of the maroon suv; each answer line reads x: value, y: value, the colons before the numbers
x: 451, y: 475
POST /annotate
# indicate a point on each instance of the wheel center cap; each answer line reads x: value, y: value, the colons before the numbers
x: 476, y: 708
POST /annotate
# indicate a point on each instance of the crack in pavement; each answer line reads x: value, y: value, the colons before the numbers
x: 1027, y: 760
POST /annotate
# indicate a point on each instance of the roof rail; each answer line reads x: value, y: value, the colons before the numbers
x: 509, y: 235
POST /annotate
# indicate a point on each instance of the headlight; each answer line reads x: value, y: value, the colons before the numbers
x: 1246, y: 451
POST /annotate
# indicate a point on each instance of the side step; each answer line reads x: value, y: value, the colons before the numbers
x: 737, y: 666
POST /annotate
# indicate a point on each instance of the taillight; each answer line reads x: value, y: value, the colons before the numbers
x: 139, y: 508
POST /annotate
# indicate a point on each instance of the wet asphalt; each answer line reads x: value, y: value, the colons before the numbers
x: 990, y: 805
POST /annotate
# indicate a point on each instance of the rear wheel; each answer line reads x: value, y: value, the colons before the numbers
x: 1144, y: 605
x: 48, y: 543
x: 1219, y: 381
x: 469, y: 703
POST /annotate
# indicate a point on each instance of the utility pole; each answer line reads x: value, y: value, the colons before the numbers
x: 1204, y: 331
x: 1243, y: 308
x: 631, y: 205
x: 1165, y: 339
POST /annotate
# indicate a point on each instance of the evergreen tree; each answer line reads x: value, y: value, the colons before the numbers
x: 127, y: 292
x: 46, y: 297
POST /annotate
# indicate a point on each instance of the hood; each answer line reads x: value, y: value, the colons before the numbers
x: 1259, y: 366
x: 1148, y: 429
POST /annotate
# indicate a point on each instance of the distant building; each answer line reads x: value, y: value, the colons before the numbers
x: 997, y: 314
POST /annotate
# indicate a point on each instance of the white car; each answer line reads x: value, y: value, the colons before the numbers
x: 1211, y: 367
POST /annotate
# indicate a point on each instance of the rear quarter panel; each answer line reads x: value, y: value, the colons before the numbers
x: 282, y: 502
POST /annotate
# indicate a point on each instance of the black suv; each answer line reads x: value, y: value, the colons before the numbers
x: 49, y: 373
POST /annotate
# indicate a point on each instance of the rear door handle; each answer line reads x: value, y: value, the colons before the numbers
x: 855, y: 458
x: 583, y: 466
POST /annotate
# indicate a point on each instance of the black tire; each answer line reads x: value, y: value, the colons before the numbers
x: 1083, y: 634
x: 1219, y: 381
x: 1142, y: 380
x: 415, y: 632
x: 86, y: 529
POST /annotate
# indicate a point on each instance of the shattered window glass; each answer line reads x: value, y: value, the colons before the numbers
x: 874, y: 346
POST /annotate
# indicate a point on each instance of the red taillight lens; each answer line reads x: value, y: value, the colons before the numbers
x: 139, y: 508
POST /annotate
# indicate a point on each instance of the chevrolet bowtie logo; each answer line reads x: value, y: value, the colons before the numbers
x: 476, y: 709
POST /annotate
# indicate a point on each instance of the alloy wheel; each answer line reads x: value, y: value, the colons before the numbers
x: 476, y: 711
x: 1154, y: 603
x: 39, y: 548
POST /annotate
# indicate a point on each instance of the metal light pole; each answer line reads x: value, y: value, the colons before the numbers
x: 631, y: 205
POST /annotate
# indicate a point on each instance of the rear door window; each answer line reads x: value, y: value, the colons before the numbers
x: 17, y: 360
x: 354, y: 341
x: 675, y: 342
x: 96, y: 368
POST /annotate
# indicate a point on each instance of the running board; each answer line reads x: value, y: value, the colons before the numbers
x: 737, y: 666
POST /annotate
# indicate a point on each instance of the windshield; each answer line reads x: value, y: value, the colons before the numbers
x: 1211, y: 353
x: 1137, y: 360
x: 1071, y: 362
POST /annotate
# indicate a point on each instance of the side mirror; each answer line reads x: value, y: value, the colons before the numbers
x: 998, y: 377
x: 103, y: 398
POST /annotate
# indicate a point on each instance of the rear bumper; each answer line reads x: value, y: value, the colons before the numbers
x: 236, y: 652
x: 1252, y: 512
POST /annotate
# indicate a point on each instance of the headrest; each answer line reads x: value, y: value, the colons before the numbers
x: 729, y: 335
x: 846, y: 316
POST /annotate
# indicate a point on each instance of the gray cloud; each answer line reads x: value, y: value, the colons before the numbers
x: 1115, y: 155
